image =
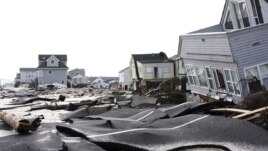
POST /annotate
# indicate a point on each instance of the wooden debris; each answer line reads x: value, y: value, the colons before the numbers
x: 19, y: 124
x: 251, y: 113
x: 230, y: 110
x: 58, y: 106
x: 242, y: 114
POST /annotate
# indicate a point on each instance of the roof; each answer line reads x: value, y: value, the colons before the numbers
x: 175, y: 57
x: 151, y: 58
x: 215, y: 28
x: 61, y: 66
x: 76, y: 70
x: 123, y: 69
x: 28, y: 69
x: 45, y: 57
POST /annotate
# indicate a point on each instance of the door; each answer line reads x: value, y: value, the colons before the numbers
x: 155, y: 72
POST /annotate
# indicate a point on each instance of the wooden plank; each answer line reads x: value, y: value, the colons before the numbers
x: 244, y: 115
x: 231, y: 110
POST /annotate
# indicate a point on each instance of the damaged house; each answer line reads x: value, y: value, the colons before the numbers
x: 149, y: 70
x: 229, y: 60
x: 52, y: 69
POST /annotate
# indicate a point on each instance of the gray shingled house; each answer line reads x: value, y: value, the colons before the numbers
x: 52, y: 69
x: 149, y: 70
x: 229, y: 60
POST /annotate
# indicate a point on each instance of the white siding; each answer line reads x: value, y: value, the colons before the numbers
x: 161, y: 73
x: 52, y: 58
x: 27, y: 76
x: 214, y: 47
x: 57, y: 76
x: 264, y: 7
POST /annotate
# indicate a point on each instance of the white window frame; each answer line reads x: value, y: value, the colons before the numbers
x: 212, y: 78
x: 192, y: 69
x: 195, y: 67
x: 239, y: 24
x: 256, y: 18
x: 150, y: 71
x: 166, y: 69
x: 261, y: 76
x: 217, y: 78
x: 188, y: 76
x: 234, y: 84
x: 226, y: 17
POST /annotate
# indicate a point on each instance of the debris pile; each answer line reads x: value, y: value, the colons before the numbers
x: 100, y: 119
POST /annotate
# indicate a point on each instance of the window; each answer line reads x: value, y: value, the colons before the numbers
x: 149, y: 69
x: 50, y: 72
x: 181, y: 67
x: 232, y: 82
x: 200, y: 72
x: 52, y: 61
x: 192, y: 75
x: 210, y: 78
x: 241, y: 14
x: 257, y: 14
x: 253, y: 79
x: 228, y: 22
x: 264, y: 75
x: 166, y: 69
x: 219, y: 79
x: 156, y: 72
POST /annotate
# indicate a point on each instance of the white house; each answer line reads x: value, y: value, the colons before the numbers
x: 52, y: 69
x: 27, y: 75
x: 229, y: 60
x: 149, y: 70
x: 124, y: 79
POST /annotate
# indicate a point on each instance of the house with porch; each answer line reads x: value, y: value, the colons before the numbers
x: 229, y: 60
x: 149, y: 70
x: 52, y: 69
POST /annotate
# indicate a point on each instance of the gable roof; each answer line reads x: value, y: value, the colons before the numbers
x: 44, y: 65
x: 151, y: 58
x: 45, y: 57
x: 123, y: 69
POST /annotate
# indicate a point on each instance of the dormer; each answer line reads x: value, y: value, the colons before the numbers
x: 52, y: 61
x: 239, y: 14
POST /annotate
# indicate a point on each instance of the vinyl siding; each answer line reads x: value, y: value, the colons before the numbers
x: 164, y: 75
x: 212, y: 47
x: 245, y: 53
x: 57, y: 76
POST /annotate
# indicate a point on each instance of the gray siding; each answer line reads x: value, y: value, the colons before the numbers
x: 57, y: 76
x: 214, y: 47
x: 245, y: 53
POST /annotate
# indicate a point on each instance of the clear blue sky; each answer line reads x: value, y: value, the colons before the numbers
x: 98, y: 35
